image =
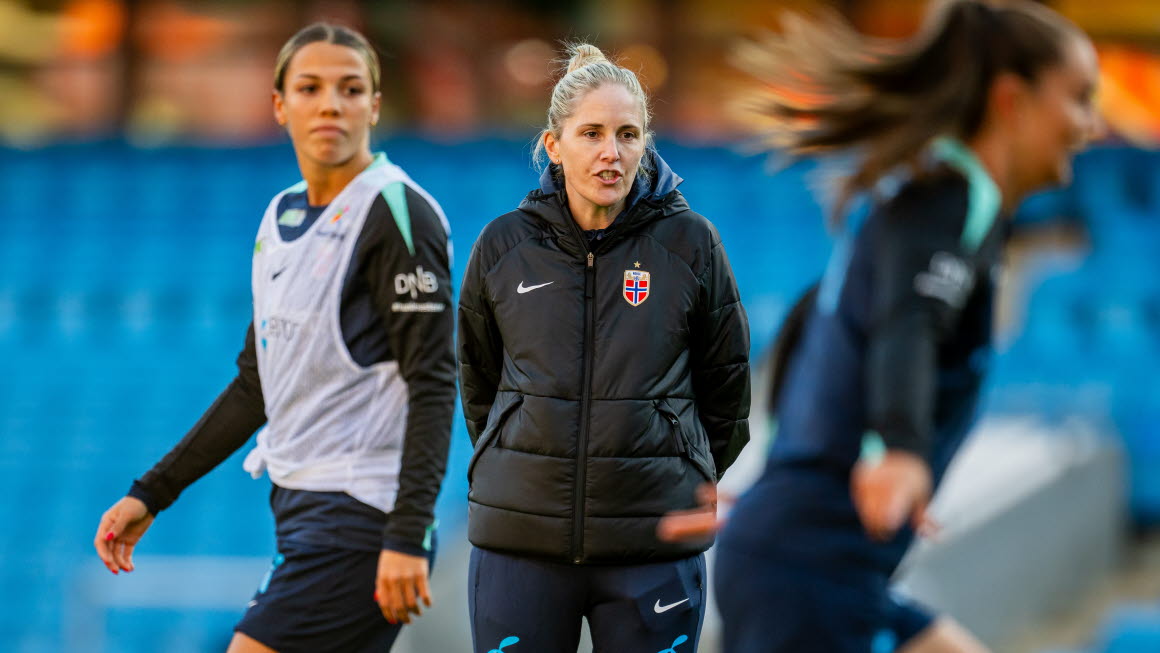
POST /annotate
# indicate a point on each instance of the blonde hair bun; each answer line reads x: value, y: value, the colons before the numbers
x: 583, y: 54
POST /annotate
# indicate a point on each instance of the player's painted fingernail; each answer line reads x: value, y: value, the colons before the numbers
x: 109, y: 536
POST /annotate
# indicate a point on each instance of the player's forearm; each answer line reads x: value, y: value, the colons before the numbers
x: 901, y: 382
x: 424, y: 461
x: 221, y: 431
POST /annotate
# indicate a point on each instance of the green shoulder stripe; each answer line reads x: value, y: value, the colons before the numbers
x: 984, y: 199
x: 379, y: 161
x: 396, y: 195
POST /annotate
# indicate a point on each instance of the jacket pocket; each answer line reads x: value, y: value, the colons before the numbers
x: 491, y: 433
x: 687, y: 447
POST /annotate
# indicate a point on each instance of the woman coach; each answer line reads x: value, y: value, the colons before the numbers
x: 603, y: 359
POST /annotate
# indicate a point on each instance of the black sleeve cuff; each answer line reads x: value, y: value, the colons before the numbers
x: 138, y: 491
x: 411, y: 539
x: 900, y: 439
x: 407, y: 548
x: 916, y: 447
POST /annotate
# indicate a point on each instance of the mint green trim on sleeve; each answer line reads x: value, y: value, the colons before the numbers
x: 427, y: 536
x: 984, y: 198
x: 396, y: 195
x: 873, y: 449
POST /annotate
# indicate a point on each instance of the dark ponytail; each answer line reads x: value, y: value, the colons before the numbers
x: 827, y: 87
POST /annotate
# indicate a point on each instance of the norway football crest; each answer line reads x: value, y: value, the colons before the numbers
x: 636, y: 284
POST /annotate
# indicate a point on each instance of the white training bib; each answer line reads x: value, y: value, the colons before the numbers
x: 333, y: 425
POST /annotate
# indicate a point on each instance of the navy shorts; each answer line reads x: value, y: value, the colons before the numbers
x: 526, y: 604
x: 316, y: 599
x: 319, y: 593
x: 768, y: 606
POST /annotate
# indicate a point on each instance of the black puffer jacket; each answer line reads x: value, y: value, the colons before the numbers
x: 599, y: 398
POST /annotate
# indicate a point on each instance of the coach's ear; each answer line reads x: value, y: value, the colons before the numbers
x: 552, y: 147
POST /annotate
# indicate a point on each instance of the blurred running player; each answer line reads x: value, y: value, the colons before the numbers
x: 986, y: 104
x: 349, y: 363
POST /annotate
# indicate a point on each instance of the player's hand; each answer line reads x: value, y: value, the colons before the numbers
x: 698, y: 523
x: 890, y: 491
x: 400, y: 586
x: 120, y: 529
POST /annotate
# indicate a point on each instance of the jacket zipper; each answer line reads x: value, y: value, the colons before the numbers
x: 586, y: 393
x: 585, y: 405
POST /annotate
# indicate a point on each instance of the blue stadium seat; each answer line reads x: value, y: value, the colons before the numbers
x: 1132, y: 629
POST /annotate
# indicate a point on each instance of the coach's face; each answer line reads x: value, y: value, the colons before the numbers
x: 328, y: 103
x: 599, y: 149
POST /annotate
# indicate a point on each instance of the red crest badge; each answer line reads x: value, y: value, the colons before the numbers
x: 636, y: 286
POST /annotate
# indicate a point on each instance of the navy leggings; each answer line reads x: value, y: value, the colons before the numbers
x: 527, y: 605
